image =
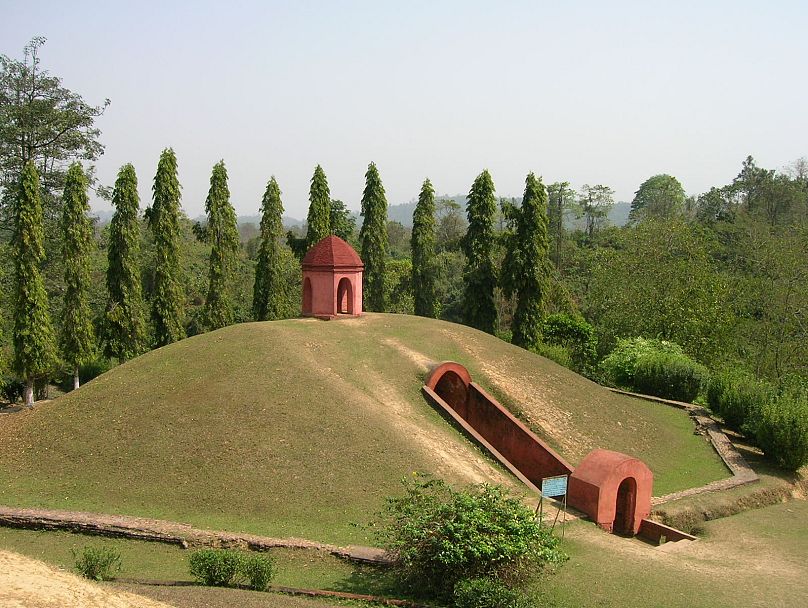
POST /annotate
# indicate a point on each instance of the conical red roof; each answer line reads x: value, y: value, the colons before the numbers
x: 332, y: 252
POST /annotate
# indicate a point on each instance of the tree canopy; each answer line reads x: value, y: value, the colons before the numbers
x: 319, y: 217
x: 33, y: 337
x: 223, y: 236
x: 479, y: 276
x: 269, y: 282
x: 660, y: 196
x: 77, y: 335
x: 373, y: 239
x: 526, y: 264
x: 41, y: 122
x: 164, y: 220
x: 422, y: 243
x: 124, y: 324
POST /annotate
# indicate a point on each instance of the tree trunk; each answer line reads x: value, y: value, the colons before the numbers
x: 28, y: 393
x: 76, y: 377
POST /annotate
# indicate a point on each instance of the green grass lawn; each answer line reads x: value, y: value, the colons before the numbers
x: 302, y: 428
x: 757, y: 558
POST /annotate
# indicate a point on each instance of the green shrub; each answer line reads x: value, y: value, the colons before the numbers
x: 98, y: 563
x: 781, y: 429
x: 619, y: 366
x: 670, y: 376
x: 226, y: 568
x: 554, y: 352
x: 258, y: 570
x: 439, y: 535
x: 11, y: 388
x: 216, y: 567
x: 737, y: 397
x: 487, y: 593
x: 576, y: 335
x: 87, y: 372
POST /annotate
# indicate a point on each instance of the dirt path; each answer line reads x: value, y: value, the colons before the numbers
x: 29, y: 583
x: 141, y: 528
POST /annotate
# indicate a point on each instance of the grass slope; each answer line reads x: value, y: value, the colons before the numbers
x: 301, y: 427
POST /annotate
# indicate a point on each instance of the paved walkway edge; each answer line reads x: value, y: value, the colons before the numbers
x: 140, y: 528
x: 742, y: 473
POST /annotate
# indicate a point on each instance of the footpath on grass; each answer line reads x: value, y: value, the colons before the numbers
x: 742, y: 473
x: 158, y: 530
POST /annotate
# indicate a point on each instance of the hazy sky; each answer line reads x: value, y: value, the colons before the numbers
x: 590, y: 92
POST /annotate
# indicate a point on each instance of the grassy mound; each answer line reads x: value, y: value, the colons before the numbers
x: 301, y: 427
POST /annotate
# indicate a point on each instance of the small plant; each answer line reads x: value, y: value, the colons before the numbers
x: 439, y: 535
x: 227, y: 568
x: 576, y: 335
x: 487, y: 593
x: 781, y: 429
x: 670, y: 376
x: 655, y: 367
x: 258, y: 570
x: 554, y: 352
x: 738, y: 397
x: 215, y: 567
x: 98, y: 563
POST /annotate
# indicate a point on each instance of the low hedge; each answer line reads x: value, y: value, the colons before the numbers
x: 781, y: 429
x: 670, y: 376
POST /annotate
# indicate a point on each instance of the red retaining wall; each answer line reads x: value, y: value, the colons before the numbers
x: 654, y: 531
x: 517, y: 447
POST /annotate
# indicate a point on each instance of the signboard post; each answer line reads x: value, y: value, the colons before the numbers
x: 554, y: 487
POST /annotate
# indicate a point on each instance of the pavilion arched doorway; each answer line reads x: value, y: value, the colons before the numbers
x: 625, y: 507
x: 345, y: 297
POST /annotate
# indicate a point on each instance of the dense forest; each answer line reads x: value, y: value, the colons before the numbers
x: 695, y: 297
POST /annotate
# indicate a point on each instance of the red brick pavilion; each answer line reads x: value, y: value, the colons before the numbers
x: 332, y: 280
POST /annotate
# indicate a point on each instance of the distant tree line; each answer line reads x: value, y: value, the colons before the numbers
x: 722, y: 274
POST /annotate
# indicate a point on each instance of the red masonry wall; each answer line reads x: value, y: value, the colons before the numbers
x: 509, y: 436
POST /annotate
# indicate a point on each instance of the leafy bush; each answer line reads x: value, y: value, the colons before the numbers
x: 439, y: 535
x: 554, y: 352
x: 98, y: 563
x: 11, y: 388
x: 737, y: 397
x: 670, y: 376
x: 655, y: 367
x: 226, y: 568
x: 576, y: 335
x: 621, y: 363
x: 87, y: 372
x: 215, y: 567
x: 258, y: 570
x: 487, y: 593
x: 781, y: 429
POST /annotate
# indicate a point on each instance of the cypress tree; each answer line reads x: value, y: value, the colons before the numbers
x: 33, y: 337
x: 77, y: 336
x: 479, y: 278
x: 125, y: 326
x: 319, y: 218
x: 223, y: 235
x: 164, y: 220
x: 422, y: 243
x: 527, y: 263
x: 373, y: 239
x: 269, y: 285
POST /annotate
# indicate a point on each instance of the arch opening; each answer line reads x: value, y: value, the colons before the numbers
x: 453, y: 390
x: 345, y: 297
x: 307, y: 296
x: 625, y: 506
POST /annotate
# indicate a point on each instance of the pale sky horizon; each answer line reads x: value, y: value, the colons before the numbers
x: 589, y: 92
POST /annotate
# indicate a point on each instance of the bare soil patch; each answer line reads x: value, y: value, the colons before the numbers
x: 29, y: 583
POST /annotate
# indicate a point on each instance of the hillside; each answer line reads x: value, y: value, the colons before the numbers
x: 301, y: 427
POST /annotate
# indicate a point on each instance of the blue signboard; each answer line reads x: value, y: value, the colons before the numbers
x: 554, y: 486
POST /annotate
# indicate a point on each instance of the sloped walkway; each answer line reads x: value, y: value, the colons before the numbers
x: 140, y: 528
x: 742, y: 473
